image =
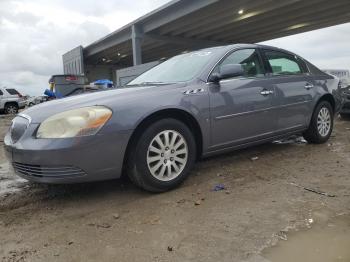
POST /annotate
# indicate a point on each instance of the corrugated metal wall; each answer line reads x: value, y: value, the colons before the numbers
x: 73, y: 62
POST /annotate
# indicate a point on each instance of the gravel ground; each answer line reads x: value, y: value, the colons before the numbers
x: 263, y: 199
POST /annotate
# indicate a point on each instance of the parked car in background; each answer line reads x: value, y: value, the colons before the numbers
x: 35, y: 100
x: 344, y: 77
x: 11, y: 100
x: 193, y: 105
x: 32, y: 101
x: 345, y: 111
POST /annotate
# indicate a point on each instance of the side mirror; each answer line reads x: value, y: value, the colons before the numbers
x: 231, y: 70
x: 215, y: 78
x: 227, y: 71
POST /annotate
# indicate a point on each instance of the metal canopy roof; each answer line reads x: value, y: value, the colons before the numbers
x: 191, y: 24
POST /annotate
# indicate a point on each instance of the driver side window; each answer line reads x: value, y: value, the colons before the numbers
x: 248, y: 58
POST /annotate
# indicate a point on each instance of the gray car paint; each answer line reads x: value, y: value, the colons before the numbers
x: 231, y: 114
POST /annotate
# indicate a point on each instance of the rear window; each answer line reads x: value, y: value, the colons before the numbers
x: 283, y: 64
x: 1, y: 93
x: 12, y: 91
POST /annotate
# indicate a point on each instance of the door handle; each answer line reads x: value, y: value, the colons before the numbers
x: 308, y: 86
x: 266, y: 92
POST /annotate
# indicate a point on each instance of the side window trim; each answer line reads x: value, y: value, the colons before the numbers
x: 265, y: 62
x: 304, y: 65
x: 305, y: 70
x: 264, y: 72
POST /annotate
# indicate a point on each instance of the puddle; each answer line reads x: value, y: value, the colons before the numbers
x: 9, y: 182
x: 324, y: 241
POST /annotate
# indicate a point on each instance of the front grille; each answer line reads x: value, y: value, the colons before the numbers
x: 18, y: 127
x: 49, y: 172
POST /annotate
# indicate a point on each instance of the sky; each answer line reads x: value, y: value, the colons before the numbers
x: 35, y: 34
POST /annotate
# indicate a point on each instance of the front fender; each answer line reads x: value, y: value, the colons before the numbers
x: 129, y: 114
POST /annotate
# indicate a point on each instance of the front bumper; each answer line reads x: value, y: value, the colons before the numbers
x: 65, y: 161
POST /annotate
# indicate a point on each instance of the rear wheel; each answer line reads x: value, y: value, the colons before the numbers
x: 163, y: 156
x: 321, y: 125
x: 11, y: 108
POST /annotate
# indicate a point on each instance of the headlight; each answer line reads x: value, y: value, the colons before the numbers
x: 75, y: 123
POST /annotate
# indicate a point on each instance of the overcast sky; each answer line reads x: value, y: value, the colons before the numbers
x: 35, y: 33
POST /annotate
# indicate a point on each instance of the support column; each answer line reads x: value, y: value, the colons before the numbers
x: 136, y: 37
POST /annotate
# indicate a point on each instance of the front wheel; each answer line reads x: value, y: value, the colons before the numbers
x: 163, y: 156
x: 321, y: 125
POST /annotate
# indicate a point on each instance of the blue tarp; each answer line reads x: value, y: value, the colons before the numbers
x: 103, y: 82
x: 51, y: 94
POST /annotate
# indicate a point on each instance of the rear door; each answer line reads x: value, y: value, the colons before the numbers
x: 293, y: 85
x: 241, y: 106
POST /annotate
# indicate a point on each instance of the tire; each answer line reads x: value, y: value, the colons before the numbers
x: 141, y: 156
x: 11, y: 108
x: 31, y: 104
x: 323, y: 116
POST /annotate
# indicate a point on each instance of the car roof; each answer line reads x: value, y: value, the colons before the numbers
x: 5, y: 88
x: 243, y: 45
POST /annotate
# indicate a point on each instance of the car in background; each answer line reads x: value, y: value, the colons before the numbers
x: 11, y: 100
x: 345, y: 111
x: 32, y: 101
x: 35, y: 100
x: 344, y: 77
x: 194, y: 105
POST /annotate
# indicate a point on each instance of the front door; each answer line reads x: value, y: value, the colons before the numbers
x: 241, y: 107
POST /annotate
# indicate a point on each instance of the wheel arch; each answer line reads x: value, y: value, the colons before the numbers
x: 329, y: 98
x: 179, y: 114
x: 11, y: 102
x: 326, y: 97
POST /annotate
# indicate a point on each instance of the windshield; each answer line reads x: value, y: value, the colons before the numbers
x: 180, y: 68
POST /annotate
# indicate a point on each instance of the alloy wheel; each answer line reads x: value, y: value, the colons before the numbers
x: 324, y: 121
x: 167, y: 155
x: 11, y: 110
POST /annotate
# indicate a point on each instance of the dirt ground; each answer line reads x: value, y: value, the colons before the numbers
x: 263, y: 199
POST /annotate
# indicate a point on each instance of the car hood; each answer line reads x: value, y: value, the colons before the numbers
x: 107, y: 98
